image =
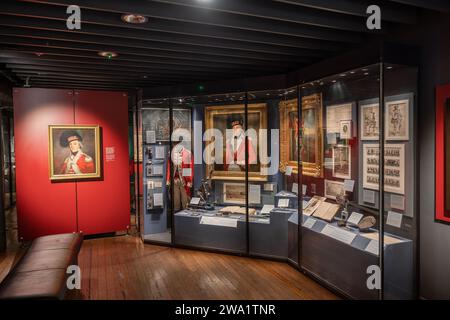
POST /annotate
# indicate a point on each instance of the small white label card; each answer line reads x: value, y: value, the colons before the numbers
x: 288, y: 170
x: 150, y: 136
x: 218, y: 221
x: 373, y: 247
x: 309, y: 223
x: 195, y: 201
x: 187, y: 172
x: 304, y: 188
x: 349, y: 185
x: 159, y: 152
x: 158, y: 199
x: 394, y: 219
x: 339, y: 234
x: 254, y: 191
x: 158, y: 184
x: 283, y: 203
x: 397, y: 202
x: 267, y: 208
x: 369, y: 196
x: 150, y: 184
x: 295, y: 188
x: 157, y: 170
x: 355, y: 218
x: 332, y: 138
x: 268, y: 187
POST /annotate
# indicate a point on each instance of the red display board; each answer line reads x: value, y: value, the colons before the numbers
x: 442, y: 95
x: 45, y: 207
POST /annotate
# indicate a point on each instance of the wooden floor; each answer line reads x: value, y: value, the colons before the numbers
x: 125, y: 268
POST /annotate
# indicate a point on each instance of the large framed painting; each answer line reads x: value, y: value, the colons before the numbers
x: 74, y: 152
x: 312, y: 136
x: 225, y: 157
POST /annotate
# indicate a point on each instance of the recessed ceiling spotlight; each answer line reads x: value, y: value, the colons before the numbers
x: 39, y: 54
x: 352, y: 72
x: 107, y: 54
x: 334, y: 81
x: 343, y: 75
x: 134, y: 18
x: 389, y: 67
x: 366, y: 73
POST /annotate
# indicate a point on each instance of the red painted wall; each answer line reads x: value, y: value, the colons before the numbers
x: 442, y: 94
x: 45, y: 207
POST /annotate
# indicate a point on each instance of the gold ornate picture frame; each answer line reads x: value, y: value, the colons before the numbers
x: 216, y: 118
x: 74, y: 152
x: 312, y: 135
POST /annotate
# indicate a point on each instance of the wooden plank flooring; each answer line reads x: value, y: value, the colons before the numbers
x: 124, y: 268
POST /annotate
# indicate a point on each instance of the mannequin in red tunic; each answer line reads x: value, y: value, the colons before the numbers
x: 77, y: 162
x: 183, y: 173
x: 235, y: 148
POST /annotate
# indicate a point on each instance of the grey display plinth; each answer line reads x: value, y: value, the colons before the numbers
x: 268, y: 236
x: 344, y: 266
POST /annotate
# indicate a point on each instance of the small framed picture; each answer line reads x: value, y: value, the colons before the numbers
x: 397, y: 120
x: 345, y: 129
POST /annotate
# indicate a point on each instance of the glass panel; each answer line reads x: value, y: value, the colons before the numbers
x: 216, y: 216
x: 400, y: 214
x: 340, y: 175
x: 154, y: 159
x: 273, y: 200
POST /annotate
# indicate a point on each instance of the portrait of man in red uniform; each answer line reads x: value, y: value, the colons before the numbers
x: 235, y: 147
x: 74, y: 152
x: 77, y: 162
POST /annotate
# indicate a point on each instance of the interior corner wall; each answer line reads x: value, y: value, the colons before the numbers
x: 434, y: 71
x: 45, y: 207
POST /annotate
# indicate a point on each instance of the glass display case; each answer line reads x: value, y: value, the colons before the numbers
x: 292, y: 174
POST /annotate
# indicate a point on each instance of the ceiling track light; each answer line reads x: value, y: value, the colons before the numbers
x: 133, y: 18
x: 107, y: 54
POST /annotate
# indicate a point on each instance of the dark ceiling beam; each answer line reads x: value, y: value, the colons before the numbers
x: 117, y: 71
x: 276, y: 11
x: 79, y: 54
x: 153, y: 45
x: 95, y: 74
x: 291, y: 23
x: 54, y: 84
x: 92, y: 81
x: 390, y: 11
x: 63, y: 79
x: 161, y: 55
x: 173, y: 27
x: 46, y: 60
x: 436, y: 5
x: 22, y: 73
x: 273, y: 44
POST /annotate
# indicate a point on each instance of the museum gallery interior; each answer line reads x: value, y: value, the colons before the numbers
x: 239, y: 150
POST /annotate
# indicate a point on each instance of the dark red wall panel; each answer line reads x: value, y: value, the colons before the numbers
x: 46, y: 207
x: 43, y: 207
x: 442, y: 95
x: 104, y: 205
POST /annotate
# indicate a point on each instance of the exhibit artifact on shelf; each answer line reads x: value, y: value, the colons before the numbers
x: 74, y: 152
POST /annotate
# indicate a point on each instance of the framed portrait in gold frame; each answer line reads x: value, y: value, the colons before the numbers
x: 221, y: 118
x: 74, y: 152
x: 311, y: 146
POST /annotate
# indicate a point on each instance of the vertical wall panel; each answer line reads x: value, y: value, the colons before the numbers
x: 104, y: 205
x: 43, y: 207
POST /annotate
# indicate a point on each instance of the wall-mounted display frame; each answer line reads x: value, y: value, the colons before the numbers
x: 220, y: 118
x: 333, y: 189
x: 234, y: 193
x: 342, y: 161
x: 369, y: 122
x: 397, y: 120
x: 312, y: 135
x: 74, y: 152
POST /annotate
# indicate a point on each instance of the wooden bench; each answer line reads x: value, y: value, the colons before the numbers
x: 41, y: 273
